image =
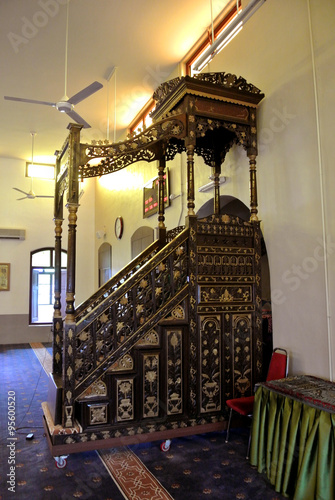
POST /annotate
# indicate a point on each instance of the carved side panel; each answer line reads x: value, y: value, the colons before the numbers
x: 150, y: 385
x: 97, y: 389
x: 150, y: 339
x: 57, y: 346
x: 97, y: 414
x: 227, y: 357
x: 229, y: 286
x: 177, y: 314
x: 69, y: 362
x: 193, y: 354
x: 125, y: 364
x: 125, y: 399
x: 225, y: 294
x: 238, y: 335
x: 210, y: 362
x: 258, y: 338
x: 174, y: 376
x: 242, y: 355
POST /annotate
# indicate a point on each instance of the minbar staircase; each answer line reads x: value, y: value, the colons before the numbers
x: 158, y: 349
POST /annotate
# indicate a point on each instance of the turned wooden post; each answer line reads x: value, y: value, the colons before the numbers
x: 190, y: 179
x: 253, y: 188
x: 69, y: 343
x: 72, y: 206
x: 161, y: 202
x: 57, y: 340
x: 58, y: 265
x: 71, y: 262
x: 216, y: 173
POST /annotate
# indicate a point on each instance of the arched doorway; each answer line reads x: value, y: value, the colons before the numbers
x: 105, y: 263
x: 141, y: 239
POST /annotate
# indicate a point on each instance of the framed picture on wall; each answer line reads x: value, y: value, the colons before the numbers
x: 4, y: 277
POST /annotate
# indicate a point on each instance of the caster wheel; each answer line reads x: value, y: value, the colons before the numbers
x: 60, y: 462
x: 166, y: 445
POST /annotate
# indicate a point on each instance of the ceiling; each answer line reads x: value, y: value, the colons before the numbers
x: 143, y: 40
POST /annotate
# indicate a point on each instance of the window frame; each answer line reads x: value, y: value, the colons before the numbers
x: 51, y: 270
x: 139, y: 122
x: 36, y: 165
x: 206, y: 40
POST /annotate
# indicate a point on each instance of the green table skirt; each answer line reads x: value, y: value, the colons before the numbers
x: 294, y: 444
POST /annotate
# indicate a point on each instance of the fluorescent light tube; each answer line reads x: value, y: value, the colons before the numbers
x: 227, y: 34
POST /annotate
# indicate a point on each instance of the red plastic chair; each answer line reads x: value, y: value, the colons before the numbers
x: 278, y: 368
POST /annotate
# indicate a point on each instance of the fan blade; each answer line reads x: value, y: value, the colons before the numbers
x: 77, y: 118
x: 32, y: 101
x: 18, y: 199
x: 86, y: 92
x: 43, y: 196
x: 20, y: 190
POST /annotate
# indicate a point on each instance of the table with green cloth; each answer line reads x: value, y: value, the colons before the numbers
x: 293, y: 436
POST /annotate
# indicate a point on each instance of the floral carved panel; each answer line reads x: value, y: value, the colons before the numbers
x: 174, y: 372
x: 210, y: 369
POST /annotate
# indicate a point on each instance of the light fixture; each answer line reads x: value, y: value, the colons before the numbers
x: 227, y: 34
x: 101, y: 233
x: 29, y: 173
x: 211, y: 184
x: 40, y: 170
x: 111, y: 72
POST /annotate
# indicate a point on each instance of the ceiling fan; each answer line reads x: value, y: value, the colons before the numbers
x: 66, y: 104
x: 30, y: 194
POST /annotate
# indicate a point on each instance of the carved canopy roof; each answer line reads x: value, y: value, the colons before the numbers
x: 212, y: 111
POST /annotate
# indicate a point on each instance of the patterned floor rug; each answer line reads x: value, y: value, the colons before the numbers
x: 132, y: 477
x: 195, y: 467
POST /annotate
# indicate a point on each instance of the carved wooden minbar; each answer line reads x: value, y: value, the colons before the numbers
x: 157, y: 350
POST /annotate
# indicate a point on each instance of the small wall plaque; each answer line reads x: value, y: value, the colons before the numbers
x: 4, y: 277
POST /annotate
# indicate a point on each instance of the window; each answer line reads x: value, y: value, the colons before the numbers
x: 42, y: 284
x: 140, y: 240
x: 218, y: 26
x: 40, y: 170
x: 142, y: 120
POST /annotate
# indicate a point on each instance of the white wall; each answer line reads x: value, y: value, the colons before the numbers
x: 85, y: 256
